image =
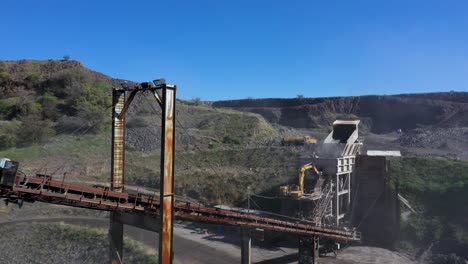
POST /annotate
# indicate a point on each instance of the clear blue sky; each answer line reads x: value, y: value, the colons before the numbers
x: 224, y: 49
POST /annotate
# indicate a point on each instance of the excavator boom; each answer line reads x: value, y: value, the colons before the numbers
x: 298, y: 191
x: 305, y: 168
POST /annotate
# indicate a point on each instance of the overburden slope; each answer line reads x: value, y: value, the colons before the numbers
x: 426, y: 124
x: 379, y: 113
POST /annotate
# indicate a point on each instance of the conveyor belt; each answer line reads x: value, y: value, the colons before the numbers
x: 44, y: 189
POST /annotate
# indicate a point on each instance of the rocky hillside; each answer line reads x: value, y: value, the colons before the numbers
x: 40, y: 99
x: 55, y: 119
x: 62, y: 95
x: 427, y: 124
x: 380, y: 114
x: 57, y: 112
x: 17, y: 72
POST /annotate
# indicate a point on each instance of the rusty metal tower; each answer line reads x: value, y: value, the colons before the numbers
x: 165, y: 96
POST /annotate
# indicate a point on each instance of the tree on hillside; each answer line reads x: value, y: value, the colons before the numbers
x: 196, y: 100
x: 66, y: 57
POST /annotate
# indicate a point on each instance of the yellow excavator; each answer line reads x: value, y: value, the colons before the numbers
x: 297, y: 191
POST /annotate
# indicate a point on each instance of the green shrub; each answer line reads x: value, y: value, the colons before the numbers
x: 34, y: 130
x: 437, y: 188
x: 8, y: 141
x: 49, y: 104
x: 48, y: 98
x: 74, y: 93
x: 103, y: 87
x: 10, y: 107
x: 4, y: 76
x: 36, y: 64
x: 32, y: 80
x: 230, y: 140
x: 66, y: 85
x: 8, y: 134
x: 14, y: 107
x: 92, y: 106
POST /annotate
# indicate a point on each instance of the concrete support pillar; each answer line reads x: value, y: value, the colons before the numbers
x: 308, y: 250
x: 116, y: 240
x: 117, y: 173
x: 246, y: 246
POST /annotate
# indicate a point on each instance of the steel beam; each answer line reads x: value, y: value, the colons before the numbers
x: 117, y: 172
x: 167, y: 177
x: 127, y: 103
x: 138, y: 220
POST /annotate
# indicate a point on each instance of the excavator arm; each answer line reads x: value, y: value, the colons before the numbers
x: 305, y: 168
x: 297, y: 191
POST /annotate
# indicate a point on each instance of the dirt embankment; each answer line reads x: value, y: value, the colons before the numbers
x: 379, y: 114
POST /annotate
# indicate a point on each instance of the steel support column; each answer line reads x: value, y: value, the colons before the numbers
x: 167, y: 170
x: 337, y: 200
x: 118, y: 140
x: 308, y: 250
x: 117, y: 172
x: 246, y: 246
x: 349, y: 189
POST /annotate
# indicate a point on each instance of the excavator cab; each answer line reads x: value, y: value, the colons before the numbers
x: 8, y: 169
x: 293, y: 191
x: 4, y: 163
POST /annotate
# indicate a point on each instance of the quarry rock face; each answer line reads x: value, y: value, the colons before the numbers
x: 381, y: 114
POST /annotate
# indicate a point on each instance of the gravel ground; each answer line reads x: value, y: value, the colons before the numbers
x: 367, y: 255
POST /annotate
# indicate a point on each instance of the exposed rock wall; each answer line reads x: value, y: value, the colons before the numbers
x: 381, y: 114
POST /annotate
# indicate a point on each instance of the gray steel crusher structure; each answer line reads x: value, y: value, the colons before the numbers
x: 336, y: 157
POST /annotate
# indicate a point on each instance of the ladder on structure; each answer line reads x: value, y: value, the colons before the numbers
x: 323, y: 206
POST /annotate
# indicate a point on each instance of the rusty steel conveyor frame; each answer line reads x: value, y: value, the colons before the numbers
x: 45, y: 189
